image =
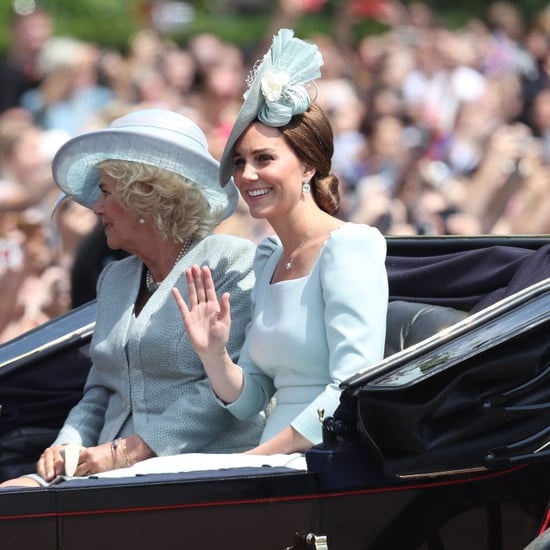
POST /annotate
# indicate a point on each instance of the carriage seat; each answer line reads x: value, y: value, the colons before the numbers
x: 409, y: 323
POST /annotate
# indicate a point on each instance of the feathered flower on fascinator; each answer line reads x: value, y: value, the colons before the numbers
x: 288, y: 72
x: 280, y: 86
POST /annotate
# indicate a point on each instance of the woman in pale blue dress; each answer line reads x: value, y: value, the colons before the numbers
x: 321, y: 289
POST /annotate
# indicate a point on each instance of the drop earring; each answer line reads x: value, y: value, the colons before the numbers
x: 141, y: 220
x: 306, y: 188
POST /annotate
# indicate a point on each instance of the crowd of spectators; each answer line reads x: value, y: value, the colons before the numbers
x: 438, y: 130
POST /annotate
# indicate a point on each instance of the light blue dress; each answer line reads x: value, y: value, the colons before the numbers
x: 309, y: 334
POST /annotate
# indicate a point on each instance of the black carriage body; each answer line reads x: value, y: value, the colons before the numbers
x: 366, y: 491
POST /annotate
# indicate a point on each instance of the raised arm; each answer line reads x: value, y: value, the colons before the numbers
x: 207, y: 322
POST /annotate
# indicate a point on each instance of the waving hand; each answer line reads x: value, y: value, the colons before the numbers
x: 206, y: 320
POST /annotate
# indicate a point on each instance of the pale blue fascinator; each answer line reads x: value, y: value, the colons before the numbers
x: 280, y: 86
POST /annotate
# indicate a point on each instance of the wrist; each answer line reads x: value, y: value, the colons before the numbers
x: 124, y: 452
x: 136, y: 449
x: 119, y: 453
x: 215, y: 358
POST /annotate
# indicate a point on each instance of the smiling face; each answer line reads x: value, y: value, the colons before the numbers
x: 267, y: 172
x: 121, y: 226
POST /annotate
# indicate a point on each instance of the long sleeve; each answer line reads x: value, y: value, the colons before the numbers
x: 85, y: 421
x: 258, y: 386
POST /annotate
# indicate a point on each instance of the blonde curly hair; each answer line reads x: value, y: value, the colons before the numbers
x: 177, y: 205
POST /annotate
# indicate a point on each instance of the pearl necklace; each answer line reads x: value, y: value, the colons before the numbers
x: 288, y: 263
x: 150, y: 283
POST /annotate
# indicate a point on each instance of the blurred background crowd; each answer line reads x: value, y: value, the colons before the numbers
x: 438, y: 130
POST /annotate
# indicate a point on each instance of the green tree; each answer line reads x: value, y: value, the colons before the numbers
x: 112, y: 22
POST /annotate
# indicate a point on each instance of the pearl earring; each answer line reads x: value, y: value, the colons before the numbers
x: 306, y: 188
x: 141, y: 220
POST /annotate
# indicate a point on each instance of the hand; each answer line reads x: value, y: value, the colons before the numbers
x: 93, y: 460
x: 51, y: 463
x: 287, y: 441
x: 511, y: 142
x: 208, y: 321
x: 22, y: 481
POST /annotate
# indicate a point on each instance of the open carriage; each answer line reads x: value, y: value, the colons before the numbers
x: 445, y: 444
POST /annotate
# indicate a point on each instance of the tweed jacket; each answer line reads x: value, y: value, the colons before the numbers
x: 146, y: 378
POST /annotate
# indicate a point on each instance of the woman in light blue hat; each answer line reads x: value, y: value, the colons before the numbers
x: 151, y: 180
x: 321, y: 290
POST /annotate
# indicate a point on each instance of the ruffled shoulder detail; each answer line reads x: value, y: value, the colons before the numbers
x: 352, y: 244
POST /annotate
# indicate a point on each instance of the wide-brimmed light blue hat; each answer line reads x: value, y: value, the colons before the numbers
x: 277, y: 90
x: 156, y: 137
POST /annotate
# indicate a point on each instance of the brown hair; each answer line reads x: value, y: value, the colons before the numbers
x: 310, y: 137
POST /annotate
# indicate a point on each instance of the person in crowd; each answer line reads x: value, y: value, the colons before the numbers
x: 26, y: 193
x: 150, y: 179
x: 25, y: 174
x: 216, y: 93
x: 19, y: 71
x: 73, y: 223
x: 30, y: 278
x: 70, y: 92
x: 321, y: 290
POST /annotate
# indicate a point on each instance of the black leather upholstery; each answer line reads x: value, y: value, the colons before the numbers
x: 409, y: 323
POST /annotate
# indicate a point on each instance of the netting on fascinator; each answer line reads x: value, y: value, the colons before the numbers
x: 291, y: 67
x: 281, y: 85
